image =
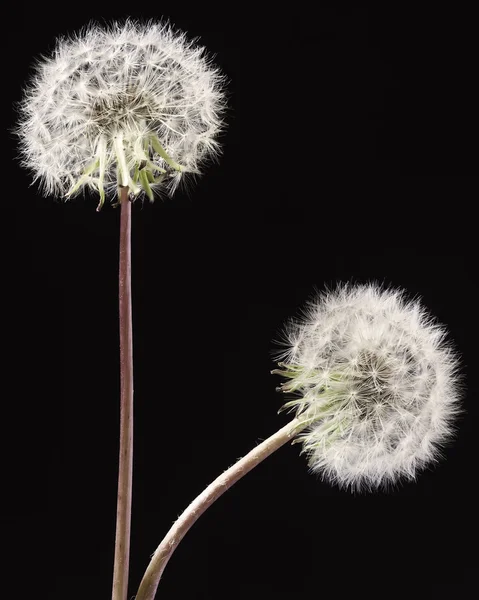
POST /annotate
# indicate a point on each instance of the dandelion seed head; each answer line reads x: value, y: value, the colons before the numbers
x: 380, y: 379
x: 94, y: 108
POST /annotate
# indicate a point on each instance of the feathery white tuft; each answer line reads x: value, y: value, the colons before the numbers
x: 373, y: 373
x: 132, y: 104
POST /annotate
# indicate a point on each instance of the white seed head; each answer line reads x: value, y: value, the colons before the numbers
x: 131, y: 104
x: 373, y: 374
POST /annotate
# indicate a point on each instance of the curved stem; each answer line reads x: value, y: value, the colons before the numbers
x: 125, y: 469
x: 160, y: 558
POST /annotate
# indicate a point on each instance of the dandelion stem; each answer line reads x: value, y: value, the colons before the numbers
x: 125, y: 471
x: 163, y: 553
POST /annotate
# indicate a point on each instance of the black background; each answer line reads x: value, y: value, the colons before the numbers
x: 350, y: 154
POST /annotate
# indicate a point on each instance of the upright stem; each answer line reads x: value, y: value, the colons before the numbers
x: 160, y: 558
x: 125, y: 473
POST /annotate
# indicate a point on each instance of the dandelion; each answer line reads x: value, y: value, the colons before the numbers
x: 374, y: 386
x: 375, y: 376
x: 133, y: 105
x: 124, y: 111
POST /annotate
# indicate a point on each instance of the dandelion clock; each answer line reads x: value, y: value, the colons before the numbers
x: 373, y: 383
x: 125, y: 112
x: 133, y: 107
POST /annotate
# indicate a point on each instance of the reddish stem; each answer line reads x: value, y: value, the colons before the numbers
x: 125, y: 471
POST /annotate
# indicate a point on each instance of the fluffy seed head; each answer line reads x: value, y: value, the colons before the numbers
x: 133, y: 104
x: 374, y: 376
